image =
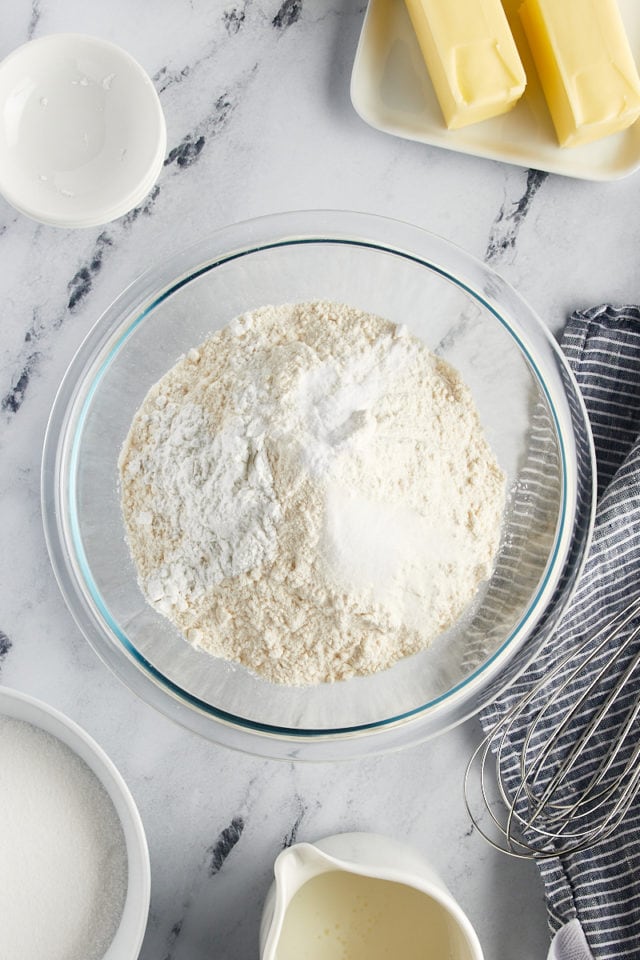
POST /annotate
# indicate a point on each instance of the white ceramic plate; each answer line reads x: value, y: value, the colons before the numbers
x: 392, y: 91
x: 82, y: 133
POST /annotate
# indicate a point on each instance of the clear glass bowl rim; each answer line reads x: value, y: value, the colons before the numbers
x: 135, y: 302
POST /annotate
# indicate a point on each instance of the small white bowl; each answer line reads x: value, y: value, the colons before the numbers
x: 82, y: 132
x: 128, y: 938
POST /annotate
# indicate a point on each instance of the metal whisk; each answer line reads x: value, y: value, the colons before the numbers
x: 578, y: 769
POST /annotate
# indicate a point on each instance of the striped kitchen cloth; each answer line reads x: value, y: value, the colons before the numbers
x: 593, y: 896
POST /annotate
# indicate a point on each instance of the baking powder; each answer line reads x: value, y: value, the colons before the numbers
x: 310, y: 493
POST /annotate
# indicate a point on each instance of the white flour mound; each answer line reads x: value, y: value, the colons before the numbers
x: 309, y: 493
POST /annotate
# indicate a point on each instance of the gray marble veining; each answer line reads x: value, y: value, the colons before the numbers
x: 256, y: 96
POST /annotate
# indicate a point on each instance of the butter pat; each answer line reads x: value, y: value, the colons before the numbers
x: 586, y: 67
x: 471, y: 57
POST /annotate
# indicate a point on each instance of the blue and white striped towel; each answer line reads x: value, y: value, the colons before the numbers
x: 593, y: 896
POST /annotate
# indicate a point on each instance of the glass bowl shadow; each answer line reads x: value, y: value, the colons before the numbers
x: 530, y: 408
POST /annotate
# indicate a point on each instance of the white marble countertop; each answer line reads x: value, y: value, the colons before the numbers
x: 256, y: 97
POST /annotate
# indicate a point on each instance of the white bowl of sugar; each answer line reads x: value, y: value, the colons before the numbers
x: 74, y: 870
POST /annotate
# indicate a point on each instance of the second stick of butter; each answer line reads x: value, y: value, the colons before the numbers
x: 471, y: 57
x: 586, y: 66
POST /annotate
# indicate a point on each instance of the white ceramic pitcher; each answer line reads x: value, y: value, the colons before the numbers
x: 371, y: 856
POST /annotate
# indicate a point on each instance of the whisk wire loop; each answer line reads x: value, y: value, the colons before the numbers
x: 578, y: 769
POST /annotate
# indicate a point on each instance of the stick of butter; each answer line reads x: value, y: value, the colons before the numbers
x: 585, y: 64
x: 471, y: 57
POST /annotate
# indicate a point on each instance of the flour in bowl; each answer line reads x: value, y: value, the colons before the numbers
x: 309, y: 493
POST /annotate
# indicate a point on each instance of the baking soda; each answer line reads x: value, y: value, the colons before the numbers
x: 309, y: 493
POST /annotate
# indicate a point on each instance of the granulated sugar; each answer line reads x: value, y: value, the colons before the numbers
x: 63, y: 858
x: 309, y: 493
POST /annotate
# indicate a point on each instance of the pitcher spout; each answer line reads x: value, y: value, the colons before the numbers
x: 362, y: 891
x: 294, y: 867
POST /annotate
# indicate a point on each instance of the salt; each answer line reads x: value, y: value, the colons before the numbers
x: 63, y: 859
x: 319, y: 506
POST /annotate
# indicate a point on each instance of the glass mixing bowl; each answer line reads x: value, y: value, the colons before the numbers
x: 531, y: 411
